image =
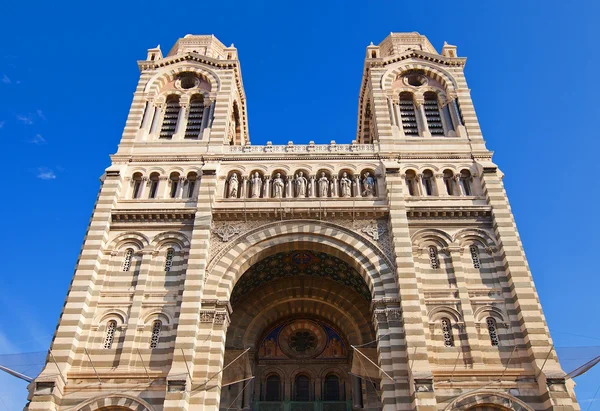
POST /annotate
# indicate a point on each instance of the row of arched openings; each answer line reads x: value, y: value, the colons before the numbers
x: 178, y: 186
x: 454, y: 184
x: 301, y: 388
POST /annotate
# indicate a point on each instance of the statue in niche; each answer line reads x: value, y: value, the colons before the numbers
x: 233, y: 186
x: 345, y: 185
x: 301, y: 184
x: 256, y: 185
x: 368, y: 185
x: 323, y: 185
x: 278, y: 186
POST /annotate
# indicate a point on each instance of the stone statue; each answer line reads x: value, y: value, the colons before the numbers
x: 346, y: 185
x: 368, y: 185
x: 256, y: 185
x: 233, y: 186
x: 323, y: 185
x: 301, y: 184
x: 278, y: 186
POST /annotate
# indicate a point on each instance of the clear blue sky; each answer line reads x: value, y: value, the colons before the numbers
x: 68, y: 71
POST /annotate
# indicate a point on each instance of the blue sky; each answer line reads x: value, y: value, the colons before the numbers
x: 68, y: 71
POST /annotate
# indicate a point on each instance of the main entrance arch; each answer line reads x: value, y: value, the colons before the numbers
x: 357, y: 316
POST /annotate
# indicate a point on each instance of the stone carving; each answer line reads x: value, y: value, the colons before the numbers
x: 373, y: 229
x: 301, y: 183
x: 207, y: 316
x: 323, y: 185
x: 368, y: 185
x: 345, y: 185
x: 233, y: 186
x: 220, y: 318
x: 304, y: 148
x: 256, y: 185
x: 226, y: 231
x: 278, y: 186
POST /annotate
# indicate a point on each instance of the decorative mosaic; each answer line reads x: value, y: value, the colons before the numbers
x: 302, y: 339
x: 299, y: 263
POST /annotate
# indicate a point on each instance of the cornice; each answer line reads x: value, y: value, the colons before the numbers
x: 153, y: 216
x: 284, y: 213
x: 200, y: 58
x: 435, y: 58
x: 448, y: 212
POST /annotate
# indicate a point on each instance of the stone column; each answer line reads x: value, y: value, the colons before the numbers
x: 164, y: 184
x: 147, y: 120
x: 205, y: 115
x: 180, y: 186
x: 460, y: 189
x: 440, y: 185
x: 422, y: 185
x: 156, y: 121
x: 184, y: 109
x: 422, y: 119
x: 391, y: 112
x: 456, y: 119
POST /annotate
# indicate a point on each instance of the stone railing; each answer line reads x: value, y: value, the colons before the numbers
x: 332, y: 147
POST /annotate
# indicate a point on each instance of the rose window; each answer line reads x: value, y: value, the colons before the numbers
x: 303, y: 341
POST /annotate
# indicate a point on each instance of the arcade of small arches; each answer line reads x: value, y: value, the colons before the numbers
x: 155, y: 185
x: 184, y: 110
x: 447, y: 183
x: 418, y: 106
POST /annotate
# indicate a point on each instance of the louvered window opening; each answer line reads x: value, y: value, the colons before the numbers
x: 156, y: 327
x: 194, y: 123
x: 475, y: 256
x: 170, y: 119
x: 447, y: 332
x: 409, y: 116
x: 169, y: 259
x: 433, y: 258
x: 433, y: 116
x: 110, y: 334
x: 493, y: 331
x: 127, y: 259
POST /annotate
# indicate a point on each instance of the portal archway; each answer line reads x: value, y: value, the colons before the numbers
x: 300, y: 311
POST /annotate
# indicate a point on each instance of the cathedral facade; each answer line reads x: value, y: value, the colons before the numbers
x: 382, y: 273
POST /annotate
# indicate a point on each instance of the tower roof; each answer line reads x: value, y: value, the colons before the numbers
x: 206, y: 44
x: 396, y: 43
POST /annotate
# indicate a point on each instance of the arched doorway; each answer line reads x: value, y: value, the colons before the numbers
x: 300, y: 311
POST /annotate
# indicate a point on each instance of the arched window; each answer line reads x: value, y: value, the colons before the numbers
x: 194, y: 123
x: 475, y: 256
x: 273, y: 388
x: 449, y: 182
x: 170, y: 118
x: 408, y: 114
x: 434, y: 260
x: 169, y: 259
x: 465, y: 180
x: 174, y: 180
x: 332, y: 388
x: 302, y: 388
x: 411, y: 183
x: 447, y: 333
x: 127, y: 259
x: 432, y: 114
x: 192, y: 178
x: 154, y: 179
x: 109, y: 337
x: 492, y: 331
x: 156, y: 328
x: 428, y: 182
x: 137, y: 185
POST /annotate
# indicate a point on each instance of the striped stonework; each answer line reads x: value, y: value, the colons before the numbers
x: 401, y: 243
